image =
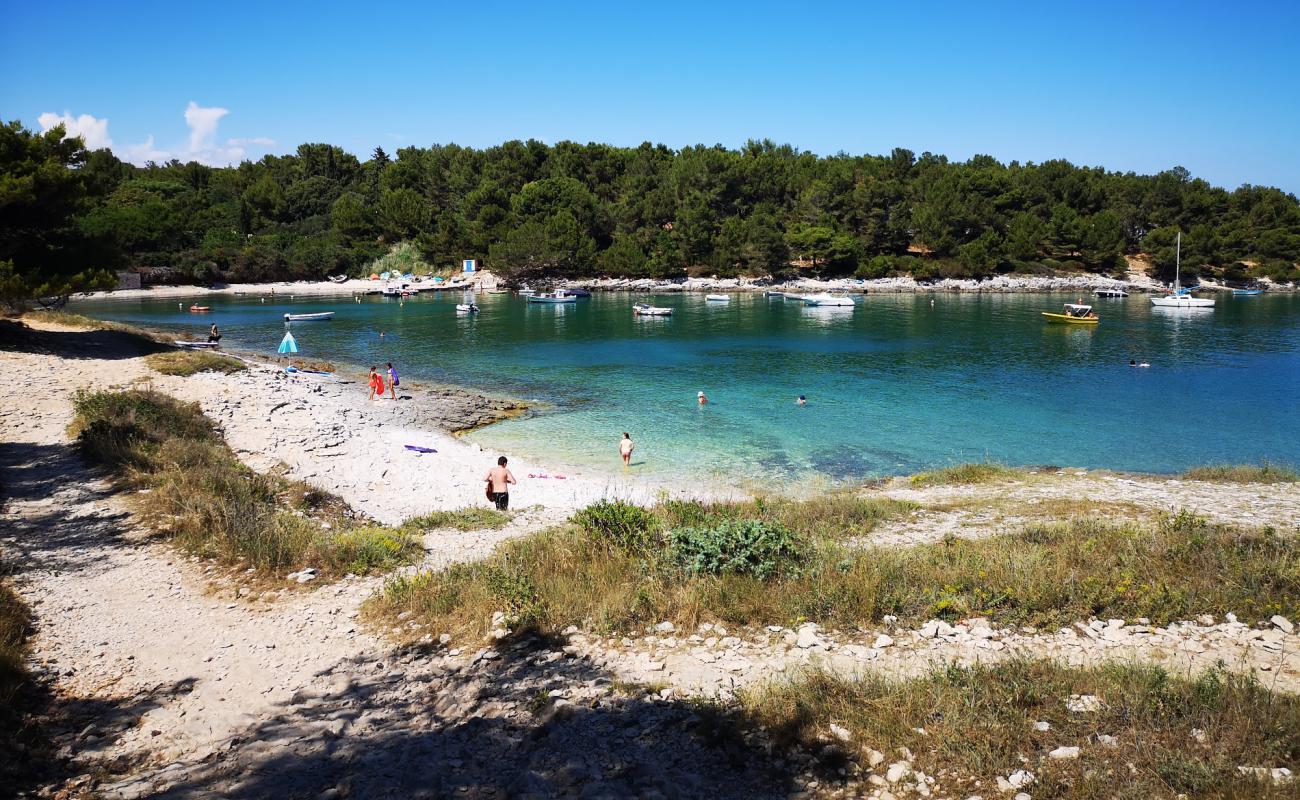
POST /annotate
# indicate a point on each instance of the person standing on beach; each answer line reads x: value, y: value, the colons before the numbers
x: 392, y: 381
x: 625, y: 448
x: 376, y: 384
x: 498, y: 481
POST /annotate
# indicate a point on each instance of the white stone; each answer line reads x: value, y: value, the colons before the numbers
x: 1282, y: 623
x: 807, y: 636
x: 883, y: 641
x: 1106, y: 740
x: 1020, y: 778
x: 665, y: 627
x: 897, y: 771
x: 1082, y: 703
x: 874, y: 757
x: 840, y: 732
x: 1198, y: 735
x: 1042, y: 726
x: 1062, y: 753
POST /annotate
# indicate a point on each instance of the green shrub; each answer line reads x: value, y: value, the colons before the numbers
x: 464, y: 519
x: 1243, y: 473
x: 188, y: 362
x: 617, y: 522
x: 737, y: 547
x: 978, y: 472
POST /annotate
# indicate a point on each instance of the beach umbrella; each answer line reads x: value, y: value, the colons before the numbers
x: 287, y: 344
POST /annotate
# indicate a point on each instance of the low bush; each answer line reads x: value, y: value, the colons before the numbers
x: 209, y: 503
x: 1152, y: 735
x: 1243, y: 473
x: 620, y: 523
x: 737, y: 547
x: 188, y: 362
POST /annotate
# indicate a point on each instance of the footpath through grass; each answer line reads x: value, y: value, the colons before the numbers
x: 189, y: 362
x: 1147, y: 734
x: 191, y: 487
x: 618, y: 566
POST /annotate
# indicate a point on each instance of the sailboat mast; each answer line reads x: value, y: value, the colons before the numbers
x: 1178, y: 262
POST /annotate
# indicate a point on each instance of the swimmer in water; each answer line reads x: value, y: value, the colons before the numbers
x: 699, y: 396
x: 802, y: 401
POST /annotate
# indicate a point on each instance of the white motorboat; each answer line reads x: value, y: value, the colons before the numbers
x: 467, y: 308
x: 646, y: 310
x: 1179, y: 298
x: 718, y: 298
x: 827, y: 299
x: 196, y: 345
x: 319, y: 315
x: 770, y: 293
x: 558, y: 297
x: 1111, y: 293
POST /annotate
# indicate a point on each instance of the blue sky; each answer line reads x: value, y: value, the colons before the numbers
x: 1212, y: 86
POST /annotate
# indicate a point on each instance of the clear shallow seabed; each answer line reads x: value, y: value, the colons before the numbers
x: 894, y: 386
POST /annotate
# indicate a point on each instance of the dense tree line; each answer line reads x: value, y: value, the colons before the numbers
x: 527, y: 208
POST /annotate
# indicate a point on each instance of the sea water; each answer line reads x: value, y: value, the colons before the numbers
x: 894, y: 384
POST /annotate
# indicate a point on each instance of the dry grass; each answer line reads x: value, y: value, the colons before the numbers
x: 464, y: 519
x: 70, y: 320
x: 191, y: 487
x: 1046, y: 574
x: 15, y: 625
x: 980, y: 472
x: 189, y: 362
x: 1172, y: 736
x: 1243, y: 473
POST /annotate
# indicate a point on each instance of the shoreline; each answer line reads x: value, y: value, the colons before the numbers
x: 1001, y: 284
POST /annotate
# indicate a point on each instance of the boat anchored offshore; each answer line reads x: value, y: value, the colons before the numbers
x: 1246, y: 292
x: 646, y: 310
x: 718, y: 298
x: 1074, y: 314
x: 319, y: 315
x: 197, y: 309
x: 1180, y: 298
x: 467, y: 308
x: 552, y: 298
x: 1111, y: 293
x: 826, y: 299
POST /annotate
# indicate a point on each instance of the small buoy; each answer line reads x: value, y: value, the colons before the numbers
x: 181, y: 306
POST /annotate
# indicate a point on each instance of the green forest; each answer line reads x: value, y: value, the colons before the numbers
x: 70, y: 217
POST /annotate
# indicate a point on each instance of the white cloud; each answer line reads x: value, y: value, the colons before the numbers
x: 93, y: 131
x: 202, y: 146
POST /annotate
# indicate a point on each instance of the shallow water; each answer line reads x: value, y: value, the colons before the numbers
x: 895, y: 385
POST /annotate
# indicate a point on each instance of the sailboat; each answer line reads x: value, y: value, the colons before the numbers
x: 1179, y: 299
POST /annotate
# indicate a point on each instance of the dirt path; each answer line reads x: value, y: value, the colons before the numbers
x: 192, y: 691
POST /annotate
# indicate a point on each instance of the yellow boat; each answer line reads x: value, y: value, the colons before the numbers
x: 1074, y: 314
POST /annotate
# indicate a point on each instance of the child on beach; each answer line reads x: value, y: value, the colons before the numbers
x: 376, y: 384
x: 392, y: 381
x: 625, y: 448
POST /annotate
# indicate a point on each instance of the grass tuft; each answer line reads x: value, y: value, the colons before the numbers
x: 188, y: 362
x: 1172, y: 736
x: 1243, y: 473
x: 192, y: 488
x: 976, y: 472
x: 464, y: 519
x: 15, y: 625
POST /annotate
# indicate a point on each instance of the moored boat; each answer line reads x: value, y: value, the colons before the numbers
x: 575, y: 292
x: 827, y: 299
x: 200, y: 309
x: 196, y: 345
x: 718, y: 298
x: 1074, y: 314
x: 1180, y: 297
x: 1111, y: 293
x: 467, y: 308
x: 770, y: 293
x: 339, y: 278
x: 319, y: 315
x: 551, y: 298
x: 1246, y: 292
x: 647, y: 310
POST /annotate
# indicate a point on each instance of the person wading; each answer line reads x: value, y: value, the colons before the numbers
x: 625, y: 448
x: 498, y: 481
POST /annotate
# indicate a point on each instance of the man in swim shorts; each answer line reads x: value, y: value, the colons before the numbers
x: 499, y: 479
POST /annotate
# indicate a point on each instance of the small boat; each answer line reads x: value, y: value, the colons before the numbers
x: 770, y: 293
x: 1180, y: 297
x: 309, y: 317
x: 1246, y: 292
x: 718, y: 298
x: 1074, y: 313
x: 467, y: 308
x: 339, y: 278
x: 200, y: 309
x: 646, y: 310
x: 576, y: 292
x: 1111, y: 293
x: 196, y: 345
x: 526, y: 292
x: 552, y: 298
x: 827, y: 299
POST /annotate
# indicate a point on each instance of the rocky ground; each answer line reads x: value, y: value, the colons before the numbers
x: 172, y: 679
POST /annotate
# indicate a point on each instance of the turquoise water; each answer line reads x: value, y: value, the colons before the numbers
x: 894, y: 385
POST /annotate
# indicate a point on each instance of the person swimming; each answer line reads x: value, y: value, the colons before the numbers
x: 699, y: 396
x: 802, y: 401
